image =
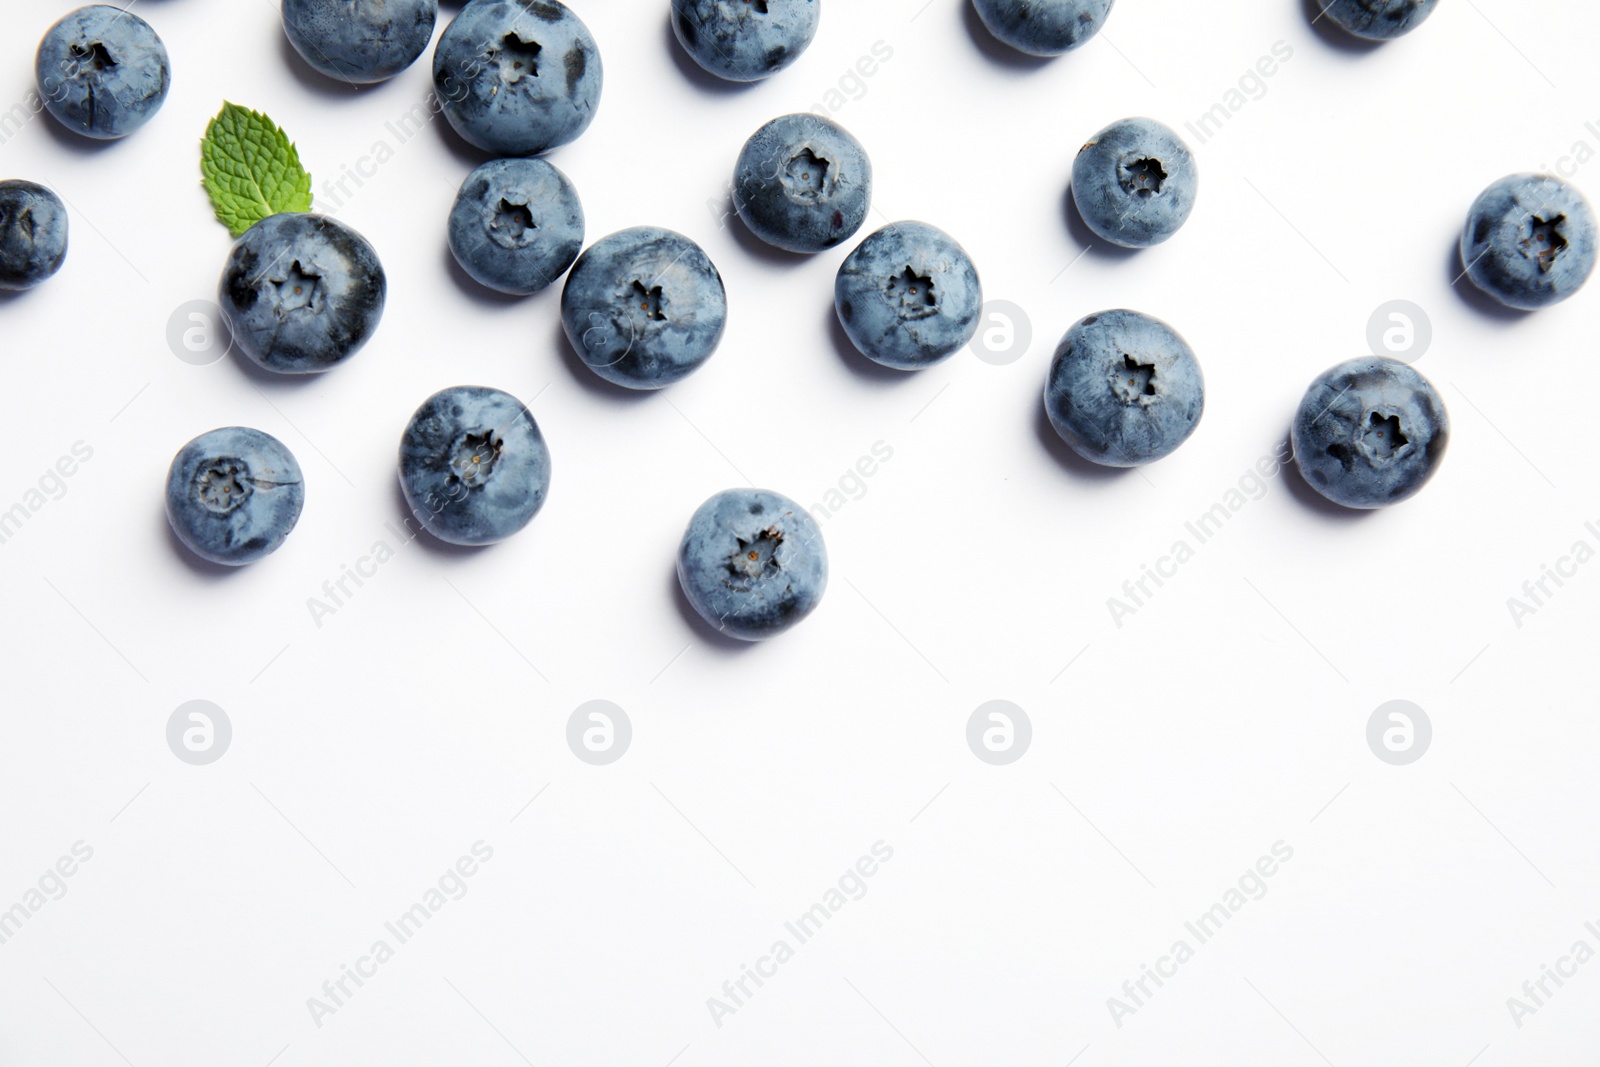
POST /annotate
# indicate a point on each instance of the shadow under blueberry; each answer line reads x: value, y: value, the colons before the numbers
x: 1067, y: 456
x: 77, y: 143
x: 994, y: 49
x: 263, y: 378
x: 1308, y: 497
x: 756, y: 247
x: 432, y: 544
x: 1471, y: 295
x: 856, y: 363
x: 702, y: 629
x: 465, y: 152
x: 313, y: 80
x: 694, y: 73
x: 591, y: 382
x: 197, y: 564
x: 475, y: 290
x: 1334, y: 35
x: 1085, y: 237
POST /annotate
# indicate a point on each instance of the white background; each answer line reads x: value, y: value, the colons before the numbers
x: 1227, y: 714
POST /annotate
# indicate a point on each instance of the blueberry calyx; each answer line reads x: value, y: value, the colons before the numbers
x: 98, y: 55
x: 223, y: 484
x: 473, y: 457
x: 1382, y: 438
x: 649, y: 301
x: 299, y: 289
x: 1545, y: 241
x: 1143, y: 177
x: 1133, y: 381
x: 757, y: 556
x: 913, y: 293
x: 517, y: 58
x: 806, y: 177
x: 512, y: 223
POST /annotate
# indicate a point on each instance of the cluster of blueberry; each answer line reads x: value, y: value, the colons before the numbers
x: 646, y: 307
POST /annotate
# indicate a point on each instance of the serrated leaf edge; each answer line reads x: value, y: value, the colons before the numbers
x: 237, y: 210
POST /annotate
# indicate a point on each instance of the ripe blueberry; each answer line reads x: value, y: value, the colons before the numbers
x: 234, y: 494
x: 1043, y: 27
x: 360, y: 40
x: 1135, y: 183
x: 1529, y: 241
x: 1379, y: 20
x: 802, y: 183
x: 644, y: 307
x: 102, y: 71
x: 517, y: 225
x: 302, y: 293
x: 473, y: 465
x: 33, y: 234
x: 752, y: 563
x: 1370, y: 432
x: 517, y: 77
x: 745, y: 40
x: 1124, y: 389
x: 908, y: 296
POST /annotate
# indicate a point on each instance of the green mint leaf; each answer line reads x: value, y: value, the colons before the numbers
x: 251, y: 169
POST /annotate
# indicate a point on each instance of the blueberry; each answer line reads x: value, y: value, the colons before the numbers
x: 234, y: 494
x: 517, y: 77
x: 745, y: 40
x: 1135, y: 183
x: 302, y: 292
x: 102, y: 72
x: 1370, y: 432
x: 1043, y: 27
x: 908, y: 296
x: 473, y: 465
x: 360, y: 40
x: 644, y: 307
x: 752, y: 563
x: 33, y: 234
x: 1379, y: 20
x: 517, y: 225
x: 1124, y: 389
x: 803, y: 183
x: 1529, y: 241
